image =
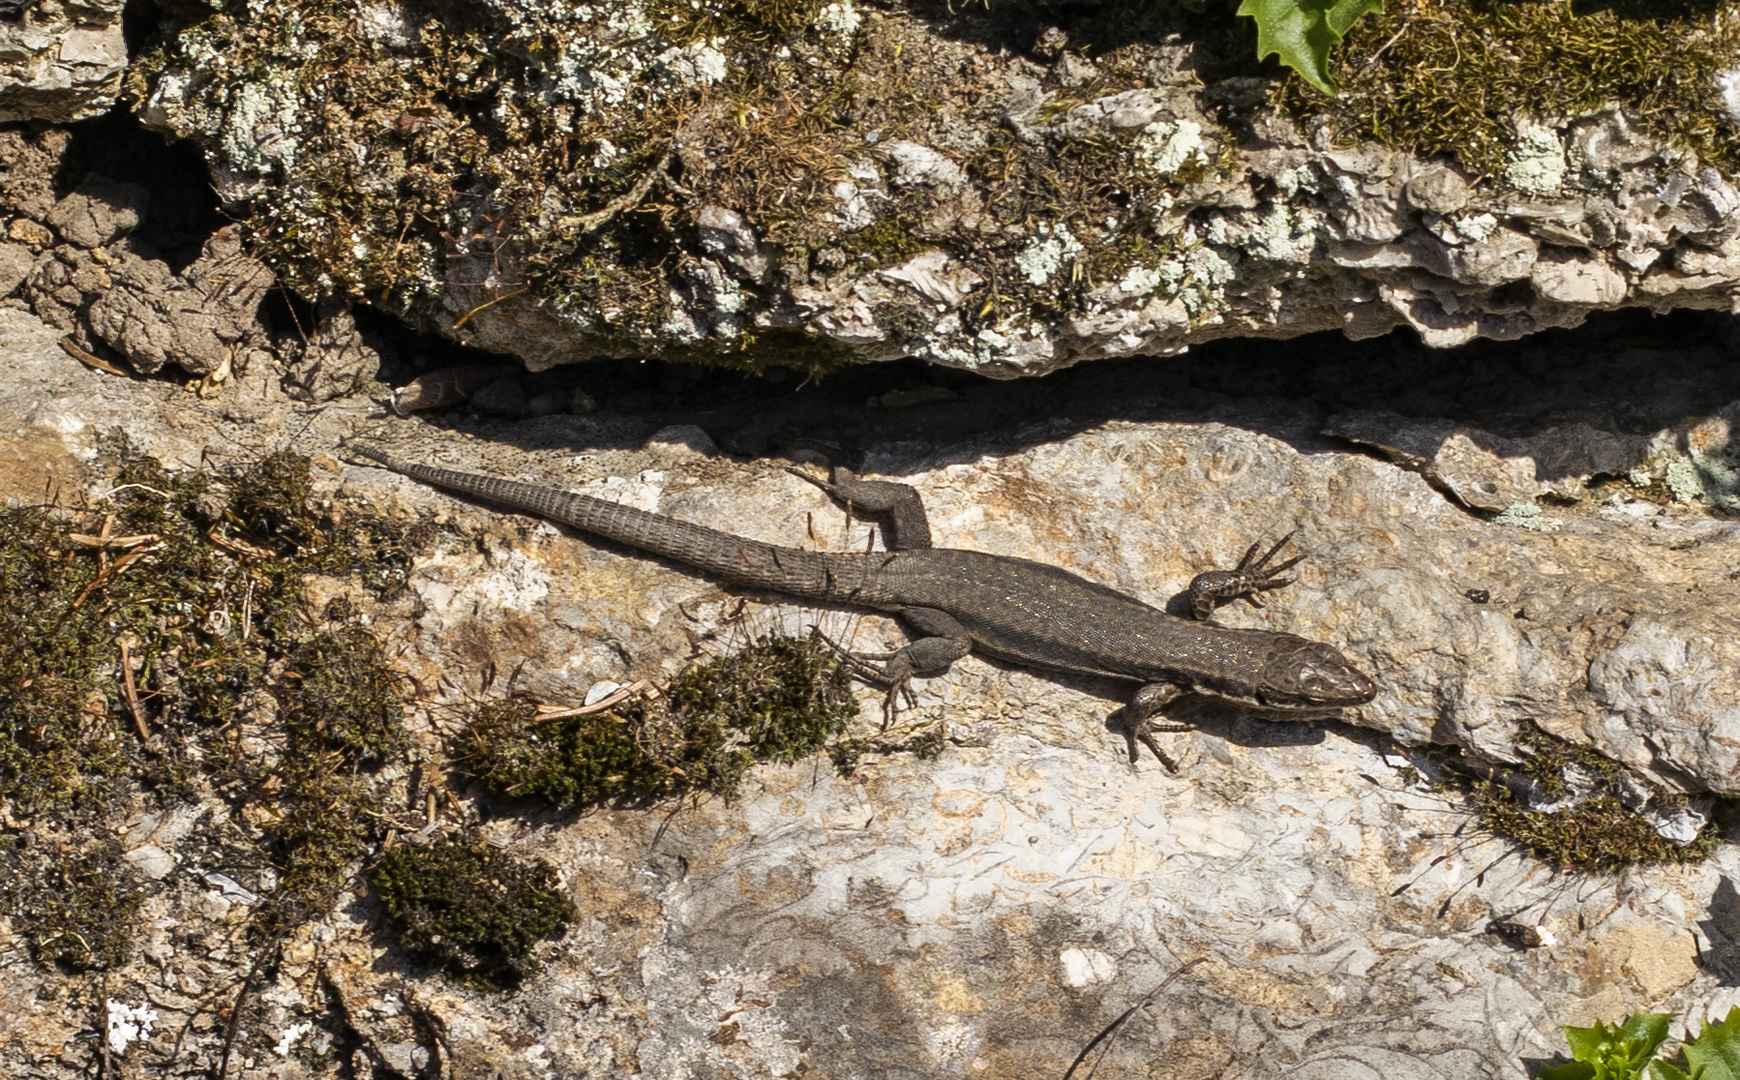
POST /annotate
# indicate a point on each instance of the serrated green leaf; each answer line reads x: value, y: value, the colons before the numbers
x: 1301, y: 32
x: 1661, y: 1070
x: 1573, y: 1070
x: 1619, y: 1052
x: 1715, y: 1053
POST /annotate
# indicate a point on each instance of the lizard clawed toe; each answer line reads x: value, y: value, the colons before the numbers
x: 873, y: 668
x: 1144, y: 730
x: 1251, y: 576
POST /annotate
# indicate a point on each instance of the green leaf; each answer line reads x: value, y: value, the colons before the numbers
x: 1715, y: 1053
x: 1614, y: 1053
x: 1301, y: 32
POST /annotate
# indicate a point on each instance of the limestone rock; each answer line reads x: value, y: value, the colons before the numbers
x: 61, y: 62
x: 1111, y: 206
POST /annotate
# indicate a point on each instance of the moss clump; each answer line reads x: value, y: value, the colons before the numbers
x: 473, y: 912
x: 1448, y: 76
x: 778, y: 700
x: 887, y: 241
x: 1599, y: 831
x: 338, y: 694
x: 61, y: 735
x: 143, y: 645
x: 80, y: 910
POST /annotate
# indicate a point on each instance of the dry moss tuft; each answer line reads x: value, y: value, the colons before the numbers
x: 474, y: 912
x: 1450, y: 76
x: 778, y: 700
x: 1602, y: 830
x: 235, y: 688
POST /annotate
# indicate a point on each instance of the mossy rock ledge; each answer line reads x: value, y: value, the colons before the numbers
x: 1008, y: 189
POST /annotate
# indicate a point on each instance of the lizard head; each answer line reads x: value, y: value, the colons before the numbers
x: 1311, y: 677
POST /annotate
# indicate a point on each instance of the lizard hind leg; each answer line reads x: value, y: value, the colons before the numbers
x: 1244, y: 581
x: 1138, y: 720
x: 907, y: 527
x: 942, y: 641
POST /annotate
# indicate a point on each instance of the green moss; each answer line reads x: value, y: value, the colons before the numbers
x: 1448, y: 76
x: 473, y: 912
x: 887, y: 241
x: 778, y: 700
x: 211, y: 609
x: 80, y: 910
x: 1599, y: 833
x: 61, y: 735
x: 338, y: 694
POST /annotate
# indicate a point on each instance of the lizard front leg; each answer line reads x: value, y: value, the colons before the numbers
x: 1243, y: 582
x: 1138, y: 722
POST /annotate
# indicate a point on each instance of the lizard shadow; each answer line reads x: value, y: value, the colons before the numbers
x: 1201, y: 713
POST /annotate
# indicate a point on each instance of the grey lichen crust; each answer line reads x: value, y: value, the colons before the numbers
x: 809, y: 183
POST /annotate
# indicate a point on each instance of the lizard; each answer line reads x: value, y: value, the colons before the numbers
x: 958, y: 601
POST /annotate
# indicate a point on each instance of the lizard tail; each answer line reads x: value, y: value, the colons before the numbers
x: 734, y: 558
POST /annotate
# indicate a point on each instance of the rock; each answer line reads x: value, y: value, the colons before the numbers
x: 1010, y: 898
x: 333, y: 363
x: 202, y: 320
x: 1586, y: 282
x: 61, y: 63
x: 795, y: 213
x: 99, y: 211
x: 1438, y: 189
x: 15, y: 263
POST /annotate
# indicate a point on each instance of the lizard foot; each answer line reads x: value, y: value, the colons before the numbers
x: 1144, y: 730
x: 1139, y: 723
x: 1244, y: 581
x: 880, y: 670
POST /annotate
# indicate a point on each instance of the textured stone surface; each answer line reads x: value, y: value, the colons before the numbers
x: 986, y: 206
x: 61, y: 62
x: 990, y: 912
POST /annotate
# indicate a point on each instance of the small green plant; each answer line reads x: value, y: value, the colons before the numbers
x: 1624, y: 1051
x: 1713, y: 1055
x: 1302, y: 32
x: 1611, y: 1053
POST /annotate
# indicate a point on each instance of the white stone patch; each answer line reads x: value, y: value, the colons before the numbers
x: 1537, y: 161
x: 387, y: 24
x: 1051, y: 247
x: 1165, y: 146
x: 291, y: 1036
x: 641, y: 492
x: 1475, y: 228
x: 840, y: 18
x: 128, y: 1024
x: 1728, y: 88
x: 930, y: 276
x: 918, y: 164
x: 1084, y: 967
